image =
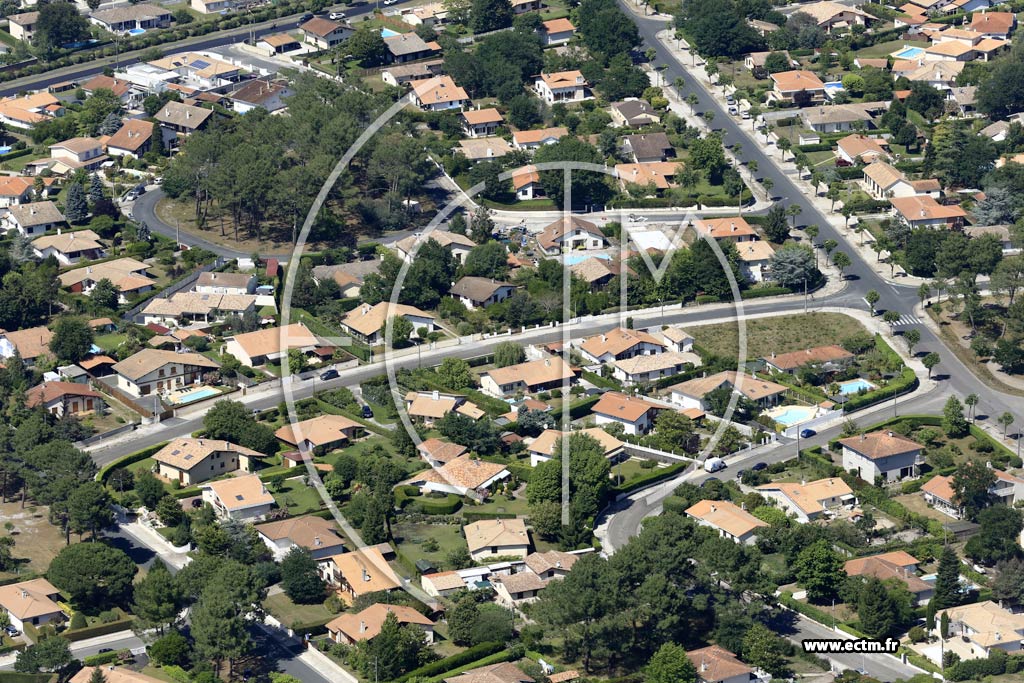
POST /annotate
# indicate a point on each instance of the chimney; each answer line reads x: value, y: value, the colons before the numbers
x: 24, y: 594
x: 317, y: 542
x: 59, y: 231
x: 366, y: 575
x: 362, y: 627
x: 714, y: 508
x: 436, y: 395
x: 889, y: 433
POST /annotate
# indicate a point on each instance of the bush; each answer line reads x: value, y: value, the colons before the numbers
x: 447, y: 664
x: 760, y: 292
x: 445, y: 506
x: 78, y: 621
x: 707, y: 299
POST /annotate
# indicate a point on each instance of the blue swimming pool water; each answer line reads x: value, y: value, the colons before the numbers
x: 136, y: 31
x: 388, y: 33
x: 909, y: 53
x: 573, y: 259
x: 197, y: 395
x: 794, y: 414
x: 855, y: 386
x: 4, y: 149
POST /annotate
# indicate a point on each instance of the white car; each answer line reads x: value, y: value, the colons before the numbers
x: 336, y: 16
x: 734, y: 110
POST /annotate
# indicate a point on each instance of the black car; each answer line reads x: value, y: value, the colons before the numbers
x: 760, y: 466
x: 330, y: 374
x: 104, y: 650
x: 367, y: 412
x: 305, y: 17
x: 807, y: 433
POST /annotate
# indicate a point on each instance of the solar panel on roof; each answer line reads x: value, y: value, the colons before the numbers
x: 239, y: 497
x: 175, y: 451
x: 200, y: 64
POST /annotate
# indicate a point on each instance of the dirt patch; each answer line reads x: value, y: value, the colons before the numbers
x: 779, y: 334
x: 915, y: 503
x: 36, y: 541
x: 181, y: 214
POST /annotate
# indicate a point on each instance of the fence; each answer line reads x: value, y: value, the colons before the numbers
x: 156, y: 409
x: 95, y: 438
x: 822, y: 420
x: 174, y: 288
x: 637, y: 451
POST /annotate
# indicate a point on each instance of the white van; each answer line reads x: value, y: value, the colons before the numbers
x: 714, y: 464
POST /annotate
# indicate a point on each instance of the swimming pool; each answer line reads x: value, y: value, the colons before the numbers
x: 787, y: 416
x: 196, y: 395
x: 388, y: 33
x: 855, y: 386
x: 908, y: 52
x: 4, y: 149
x: 573, y: 259
x: 136, y: 31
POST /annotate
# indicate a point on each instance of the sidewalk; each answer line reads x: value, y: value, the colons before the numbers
x: 158, y: 544
x: 767, y: 146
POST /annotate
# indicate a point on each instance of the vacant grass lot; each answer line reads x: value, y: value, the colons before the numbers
x: 778, y: 334
x: 298, y: 498
x: 36, y: 541
x: 288, y: 613
x: 410, y: 538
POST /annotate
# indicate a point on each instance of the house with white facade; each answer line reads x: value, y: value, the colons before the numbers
x: 882, y: 454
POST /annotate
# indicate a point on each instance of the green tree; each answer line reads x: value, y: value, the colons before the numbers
x: 232, y: 421
x: 875, y: 612
x: 819, y: 569
x: 72, y: 338
x: 104, y: 296
x: 149, y: 489
x: 953, y: 421
x: 1009, y: 582
x: 508, y: 353
x: 588, y: 187
x: 93, y: 574
x: 872, y: 298
x: 300, y: 578
x: 670, y: 665
x: 218, y: 628
x: 76, y: 209
x: 59, y: 24
x: 972, y: 483
x: 367, y: 45
x: 455, y: 374
x: 487, y: 260
x: 394, y: 651
x: 489, y: 15
x: 89, y: 509
x: 762, y: 648
x: 776, y: 227
x: 157, y: 599
x: 912, y: 337
x: 792, y: 266
x: 947, y: 583
x: 49, y: 654
x: 1005, y: 420
x: 171, y: 649
x: 997, y: 539
x: 930, y: 361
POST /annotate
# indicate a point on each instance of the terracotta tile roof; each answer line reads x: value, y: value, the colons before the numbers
x: 494, y: 673
x: 528, y: 137
x: 753, y: 387
x: 90, y: 363
x: 318, y: 26
x: 496, y: 532
x: 552, y: 559
x: 881, y: 63
x: 808, y: 496
x: 408, y: 44
x: 475, y: 117
x: 733, y: 226
x: 468, y: 472
x: 989, y: 623
x: 183, y: 115
x: 918, y: 208
x: 31, y: 342
x: 102, y: 81
x: 880, y: 444
x: 111, y: 270
x: 69, y: 242
x: 146, y: 361
x: 442, y: 451
x: 308, y: 532
x: 557, y: 26
x: 268, y: 340
x: 477, y: 288
x: 941, y: 487
x: 36, y: 213
x: 17, y: 186
x: 883, y: 175
x: 724, y: 515
x: 437, y: 90
x: 29, y: 599
x: 888, y: 566
x: 861, y: 146
x: 133, y: 135
x: 320, y: 430
x: 444, y: 581
x: 659, y: 173
x: 51, y: 391
x: 113, y: 674
x: 278, y: 40
x: 993, y: 22
x: 826, y: 10
x: 521, y: 582
x: 754, y: 251
x: 793, y: 81
x: 532, y: 373
x: 715, y: 664
x: 629, y: 408
x: 986, y: 45
x: 563, y: 676
x: 424, y: 404
x: 657, y: 361
x: 239, y: 493
x: 563, y: 79
x: 368, y: 320
x: 444, y: 238
x: 366, y: 571
x: 950, y: 48
x: 818, y: 354
x: 616, y: 341
x: 943, y: 71
x: 548, y: 441
x: 185, y: 452
x: 524, y: 176
x: 367, y: 624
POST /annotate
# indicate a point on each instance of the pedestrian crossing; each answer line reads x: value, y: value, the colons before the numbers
x: 907, y: 320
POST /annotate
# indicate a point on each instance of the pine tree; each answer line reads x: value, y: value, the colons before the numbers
x: 874, y: 610
x: 95, y: 189
x: 110, y: 125
x: 157, y: 599
x: 76, y: 209
x: 947, y: 583
x: 156, y: 140
x: 97, y: 676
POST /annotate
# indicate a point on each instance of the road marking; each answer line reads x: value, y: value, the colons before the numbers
x: 907, y: 320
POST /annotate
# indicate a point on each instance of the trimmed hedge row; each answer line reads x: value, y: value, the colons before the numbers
x: 787, y: 599
x: 103, y: 658
x: 815, y: 147
x: 438, y: 506
x: 97, y: 630
x: 575, y: 411
x: 129, y: 459
x: 520, y: 471
x: 496, y: 658
x: 445, y: 665
x: 651, y: 477
x: 470, y: 516
x: 761, y: 292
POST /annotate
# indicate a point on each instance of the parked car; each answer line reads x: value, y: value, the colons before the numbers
x: 11, y: 631
x: 739, y: 475
x: 714, y: 464
x: 330, y: 374
x: 733, y: 110
x: 729, y: 99
x: 305, y: 17
x: 337, y: 16
x: 759, y: 466
x: 744, y: 115
x: 367, y: 412
x: 807, y: 433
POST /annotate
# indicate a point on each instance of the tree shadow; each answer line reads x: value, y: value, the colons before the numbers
x: 138, y: 554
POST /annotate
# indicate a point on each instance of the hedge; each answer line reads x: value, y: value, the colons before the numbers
x: 849, y: 172
x: 438, y: 506
x: 7, y: 649
x: 447, y: 664
x: 470, y: 516
x: 651, y: 477
x: 132, y: 458
x: 577, y: 410
x: 103, y: 658
x: 97, y: 630
x: 707, y: 299
x: 761, y: 292
x: 520, y: 471
x: 787, y: 599
x: 815, y: 147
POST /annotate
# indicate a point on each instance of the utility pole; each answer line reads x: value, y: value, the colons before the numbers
x: 805, y: 295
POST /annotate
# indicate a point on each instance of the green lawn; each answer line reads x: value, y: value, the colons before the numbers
x: 629, y: 469
x: 298, y: 498
x: 780, y: 334
x: 501, y: 504
x: 109, y: 342
x: 288, y: 613
x: 885, y: 49
x: 410, y: 538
